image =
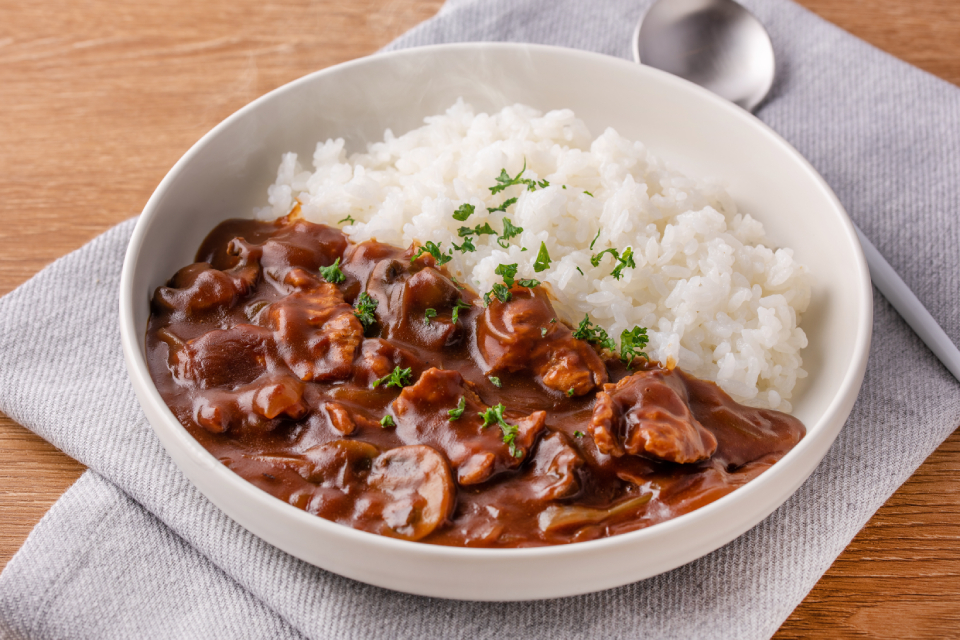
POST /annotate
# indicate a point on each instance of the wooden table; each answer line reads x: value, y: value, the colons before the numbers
x: 98, y: 99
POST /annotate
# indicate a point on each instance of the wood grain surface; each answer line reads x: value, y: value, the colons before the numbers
x: 99, y: 98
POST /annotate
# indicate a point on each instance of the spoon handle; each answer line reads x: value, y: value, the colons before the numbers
x: 909, y: 307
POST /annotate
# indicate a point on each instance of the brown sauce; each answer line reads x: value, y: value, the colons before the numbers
x: 269, y: 367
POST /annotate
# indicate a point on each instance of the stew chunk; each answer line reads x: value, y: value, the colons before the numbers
x: 524, y: 333
x: 477, y: 451
x: 648, y: 414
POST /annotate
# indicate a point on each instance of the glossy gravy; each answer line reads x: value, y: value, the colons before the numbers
x: 394, y: 427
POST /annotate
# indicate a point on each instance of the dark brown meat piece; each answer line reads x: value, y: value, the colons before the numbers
x: 316, y: 333
x: 524, y: 334
x: 222, y: 357
x: 648, y: 414
x: 199, y: 289
x: 380, y: 357
x: 477, y: 453
x: 404, y: 291
x: 277, y: 247
x: 553, y: 472
x: 258, y: 406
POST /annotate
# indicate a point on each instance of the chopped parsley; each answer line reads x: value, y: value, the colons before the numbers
x: 494, y: 415
x: 508, y: 271
x: 466, y: 247
x: 594, y: 240
x: 349, y: 220
x: 529, y: 283
x: 578, y: 434
x: 542, y: 263
x: 463, y: 212
x: 332, y: 274
x: 623, y: 260
x: 594, y: 334
x: 509, y: 231
x: 504, y: 180
x: 503, y: 206
x: 480, y: 230
x: 588, y: 193
x: 434, y: 250
x: 631, y: 342
x: 580, y: 270
x: 495, y: 381
x: 456, y: 413
x: 456, y: 282
x: 387, y: 421
x: 397, y: 378
x: 570, y: 392
x: 365, y: 306
x: 456, y: 310
x: 429, y: 313
x: 543, y: 332
x: 501, y: 292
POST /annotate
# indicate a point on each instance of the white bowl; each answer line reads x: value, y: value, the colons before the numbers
x: 227, y: 172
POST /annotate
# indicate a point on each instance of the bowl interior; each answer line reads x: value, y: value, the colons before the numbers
x: 226, y: 174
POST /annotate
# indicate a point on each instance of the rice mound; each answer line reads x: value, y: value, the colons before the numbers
x: 715, y: 298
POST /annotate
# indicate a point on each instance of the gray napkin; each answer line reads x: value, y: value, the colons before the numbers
x: 133, y: 550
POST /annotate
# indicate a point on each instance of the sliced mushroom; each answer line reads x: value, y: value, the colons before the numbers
x: 420, y: 487
x: 566, y: 517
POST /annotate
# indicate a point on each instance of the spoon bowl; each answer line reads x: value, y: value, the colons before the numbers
x: 716, y: 44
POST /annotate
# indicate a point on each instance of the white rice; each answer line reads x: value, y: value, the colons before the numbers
x: 714, y: 297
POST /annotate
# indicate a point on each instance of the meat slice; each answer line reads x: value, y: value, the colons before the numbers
x: 476, y: 453
x: 415, y: 304
x: 259, y: 406
x: 199, y: 289
x: 316, y: 333
x: 524, y: 334
x: 553, y: 473
x: 648, y: 414
x: 222, y: 357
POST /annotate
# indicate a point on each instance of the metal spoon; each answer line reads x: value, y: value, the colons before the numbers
x: 722, y: 47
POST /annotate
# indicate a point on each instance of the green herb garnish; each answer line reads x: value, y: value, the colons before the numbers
x: 570, y: 392
x: 495, y: 381
x: 466, y: 247
x: 503, y: 206
x: 543, y: 332
x: 365, y: 306
x: 332, y: 274
x: 456, y: 310
x: 456, y: 413
x: 588, y: 193
x: 349, y: 220
x: 631, y: 342
x: 509, y: 231
x: 463, y: 212
x: 589, y: 332
x: 429, y: 313
x: 433, y: 249
x: 623, y: 260
x: 542, y: 263
x: 387, y: 421
x: 529, y: 283
x: 456, y: 282
x: 494, y: 415
x: 508, y: 272
x: 501, y: 292
x: 581, y: 271
x: 594, y: 240
x: 397, y: 378
x: 480, y: 230
x: 578, y: 434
